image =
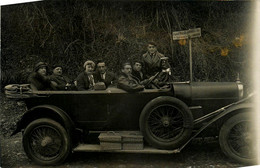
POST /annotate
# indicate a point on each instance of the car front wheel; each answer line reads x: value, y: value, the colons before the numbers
x: 236, y: 138
x: 46, y: 142
x: 166, y: 122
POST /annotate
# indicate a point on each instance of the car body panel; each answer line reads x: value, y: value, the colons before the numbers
x: 116, y: 109
x: 45, y: 111
x: 99, y: 110
x: 209, y: 96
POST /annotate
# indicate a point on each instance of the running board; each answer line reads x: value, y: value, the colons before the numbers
x: 97, y: 148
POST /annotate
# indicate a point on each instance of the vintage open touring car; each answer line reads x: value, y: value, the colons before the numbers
x: 162, y: 120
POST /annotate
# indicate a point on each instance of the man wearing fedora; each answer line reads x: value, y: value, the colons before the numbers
x: 39, y: 80
x: 63, y: 82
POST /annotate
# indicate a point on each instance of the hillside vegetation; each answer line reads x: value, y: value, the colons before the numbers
x: 70, y: 32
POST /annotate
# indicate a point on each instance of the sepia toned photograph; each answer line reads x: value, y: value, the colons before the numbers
x: 127, y: 84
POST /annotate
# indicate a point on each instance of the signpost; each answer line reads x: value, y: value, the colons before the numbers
x: 187, y: 34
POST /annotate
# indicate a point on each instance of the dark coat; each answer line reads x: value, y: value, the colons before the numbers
x: 110, y: 78
x: 138, y: 75
x: 152, y: 63
x: 61, y: 81
x: 83, y: 82
x: 39, y: 82
x: 129, y: 83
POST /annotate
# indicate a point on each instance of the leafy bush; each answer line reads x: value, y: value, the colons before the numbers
x: 70, y: 32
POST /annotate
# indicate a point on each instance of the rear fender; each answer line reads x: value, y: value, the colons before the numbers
x: 45, y: 111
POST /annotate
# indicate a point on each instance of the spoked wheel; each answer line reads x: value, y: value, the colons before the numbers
x: 46, y: 142
x: 236, y: 138
x: 166, y: 122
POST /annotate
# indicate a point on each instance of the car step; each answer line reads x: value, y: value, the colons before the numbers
x: 98, y: 148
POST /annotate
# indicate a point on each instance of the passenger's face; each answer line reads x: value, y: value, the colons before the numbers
x: 57, y: 71
x: 127, y: 69
x: 101, y: 67
x: 151, y: 48
x: 137, y: 66
x: 89, y: 69
x: 42, y: 71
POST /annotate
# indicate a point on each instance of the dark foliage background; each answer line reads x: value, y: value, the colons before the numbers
x: 71, y: 31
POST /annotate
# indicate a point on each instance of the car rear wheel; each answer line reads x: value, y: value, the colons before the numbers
x: 166, y: 123
x: 46, y: 142
x: 236, y: 138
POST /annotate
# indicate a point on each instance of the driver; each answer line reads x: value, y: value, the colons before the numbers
x: 138, y: 70
x: 128, y: 82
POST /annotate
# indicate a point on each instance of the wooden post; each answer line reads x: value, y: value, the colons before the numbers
x: 190, y: 59
x: 187, y: 34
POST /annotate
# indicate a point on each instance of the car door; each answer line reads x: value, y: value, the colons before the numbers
x: 91, y: 108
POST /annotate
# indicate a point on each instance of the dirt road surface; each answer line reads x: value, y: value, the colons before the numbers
x: 199, y: 154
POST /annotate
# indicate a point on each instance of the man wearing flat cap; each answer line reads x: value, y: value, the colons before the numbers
x: 39, y: 79
x: 85, y: 80
x: 62, y: 81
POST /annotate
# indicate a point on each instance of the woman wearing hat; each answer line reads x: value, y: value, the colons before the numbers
x: 39, y: 80
x: 85, y: 80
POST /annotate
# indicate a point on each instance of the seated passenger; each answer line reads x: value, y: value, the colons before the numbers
x: 63, y: 82
x: 138, y: 70
x: 102, y: 75
x: 85, y: 80
x: 128, y: 82
x: 39, y: 80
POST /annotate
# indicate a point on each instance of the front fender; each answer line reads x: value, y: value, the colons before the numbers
x: 228, y: 112
x: 44, y: 111
x: 235, y: 108
x: 224, y: 113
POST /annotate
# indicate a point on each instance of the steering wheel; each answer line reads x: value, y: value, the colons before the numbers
x: 152, y: 79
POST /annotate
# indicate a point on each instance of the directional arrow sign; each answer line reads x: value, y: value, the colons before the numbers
x: 185, y: 34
